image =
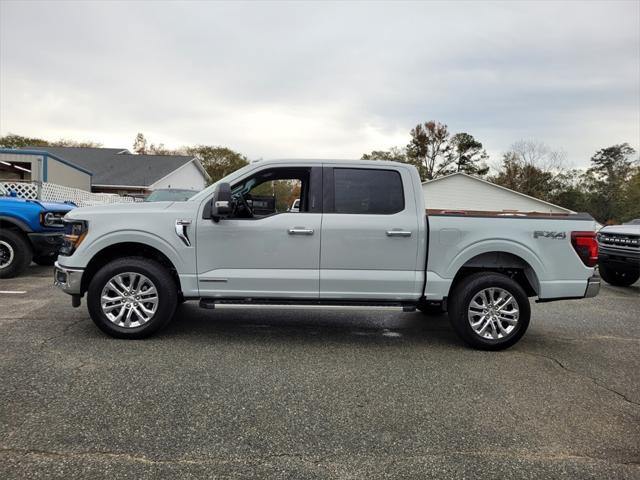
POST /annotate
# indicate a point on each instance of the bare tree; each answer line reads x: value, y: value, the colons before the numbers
x: 531, y: 167
x: 538, y: 154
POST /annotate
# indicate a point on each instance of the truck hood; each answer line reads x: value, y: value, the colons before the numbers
x: 622, y: 229
x: 83, y: 213
x: 49, y: 206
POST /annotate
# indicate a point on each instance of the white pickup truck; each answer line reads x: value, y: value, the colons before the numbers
x: 361, y: 236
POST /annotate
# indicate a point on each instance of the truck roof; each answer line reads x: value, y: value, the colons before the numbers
x: 332, y: 161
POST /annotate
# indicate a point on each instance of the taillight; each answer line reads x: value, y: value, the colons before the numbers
x: 586, y: 246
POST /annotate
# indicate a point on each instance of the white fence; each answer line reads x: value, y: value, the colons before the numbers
x: 52, y: 192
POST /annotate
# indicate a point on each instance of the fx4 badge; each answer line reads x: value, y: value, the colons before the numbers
x: 551, y: 235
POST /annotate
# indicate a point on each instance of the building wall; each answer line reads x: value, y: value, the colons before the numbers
x: 188, y: 176
x: 34, y: 160
x: 58, y: 172
x: 459, y: 192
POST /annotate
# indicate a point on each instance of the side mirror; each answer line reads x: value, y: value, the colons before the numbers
x: 221, y: 204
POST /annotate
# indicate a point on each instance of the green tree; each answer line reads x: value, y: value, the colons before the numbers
x: 568, y: 190
x: 467, y: 155
x: 217, y: 161
x: 18, y: 141
x: 394, y: 154
x: 630, y: 205
x: 609, y: 177
x: 429, y: 149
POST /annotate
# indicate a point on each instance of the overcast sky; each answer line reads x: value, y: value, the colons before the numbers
x: 280, y: 79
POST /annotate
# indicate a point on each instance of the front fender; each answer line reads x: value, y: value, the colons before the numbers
x: 87, y: 251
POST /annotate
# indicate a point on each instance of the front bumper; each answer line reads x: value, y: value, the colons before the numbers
x: 46, y: 244
x: 593, y: 287
x: 620, y: 256
x: 69, y: 280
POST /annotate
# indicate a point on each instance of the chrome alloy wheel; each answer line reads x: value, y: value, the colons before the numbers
x: 493, y: 313
x: 6, y: 254
x: 129, y: 300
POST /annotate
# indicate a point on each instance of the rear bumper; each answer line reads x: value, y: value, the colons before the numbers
x: 593, y: 287
x: 45, y: 244
x: 69, y: 280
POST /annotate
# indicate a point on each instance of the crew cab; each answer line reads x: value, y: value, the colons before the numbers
x: 29, y: 230
x: 619, y: 253
x: 361, y: 236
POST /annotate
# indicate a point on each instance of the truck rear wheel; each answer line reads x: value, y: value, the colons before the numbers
x: 620, y: 277
x: 132, y: 297
x: 15, y: 253
x: 489, y: 311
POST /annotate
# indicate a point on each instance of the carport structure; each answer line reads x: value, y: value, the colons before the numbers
x: 37, y: 166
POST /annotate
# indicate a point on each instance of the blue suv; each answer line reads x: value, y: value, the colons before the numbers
x: 29, y: 230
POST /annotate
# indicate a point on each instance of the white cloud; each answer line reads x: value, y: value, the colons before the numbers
x: 322, y: 79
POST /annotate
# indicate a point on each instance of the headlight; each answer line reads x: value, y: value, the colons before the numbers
x: 52, y: 219
x: 74, y: 233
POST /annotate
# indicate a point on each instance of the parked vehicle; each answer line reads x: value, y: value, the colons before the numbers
x: 136, y: 263
x: 619, y: 262
x: 295, y: 206
x: 170, y: 195
x: 29, y: 230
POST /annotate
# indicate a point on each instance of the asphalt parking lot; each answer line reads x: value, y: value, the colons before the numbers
x: 316, y: 393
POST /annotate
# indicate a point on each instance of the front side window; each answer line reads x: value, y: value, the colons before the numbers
x: 367, y: 191
x: 272, y: 191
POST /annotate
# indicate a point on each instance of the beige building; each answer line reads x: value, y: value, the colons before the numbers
x: 42, y: 166
x: 460, y: 191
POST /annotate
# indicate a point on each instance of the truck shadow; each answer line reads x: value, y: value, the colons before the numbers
x: 310, y: 325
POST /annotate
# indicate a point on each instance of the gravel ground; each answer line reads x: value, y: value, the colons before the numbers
x: 316, y: 393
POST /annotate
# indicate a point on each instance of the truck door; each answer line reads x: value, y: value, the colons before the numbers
x: 369, y: 235
x: 265, y: 250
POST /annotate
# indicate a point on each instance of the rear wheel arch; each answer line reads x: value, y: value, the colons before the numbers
x: 502, y: 262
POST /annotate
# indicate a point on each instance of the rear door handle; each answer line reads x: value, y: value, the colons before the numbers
x: 300, y: 231
x: 398, y: 233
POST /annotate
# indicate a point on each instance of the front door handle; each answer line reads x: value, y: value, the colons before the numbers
x: 300, y: 231
x: 398, y: 233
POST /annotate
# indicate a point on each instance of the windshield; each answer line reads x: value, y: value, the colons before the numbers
x: 173, y: 195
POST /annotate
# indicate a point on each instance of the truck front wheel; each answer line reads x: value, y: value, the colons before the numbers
x: 620, y: 277
x: 132, y: 297
x: 15, y: 253
x: 489, y: 311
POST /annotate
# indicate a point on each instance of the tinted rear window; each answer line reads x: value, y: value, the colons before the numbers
x: 367, y: 191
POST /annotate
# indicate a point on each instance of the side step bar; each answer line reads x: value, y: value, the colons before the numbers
x: 210, y: 303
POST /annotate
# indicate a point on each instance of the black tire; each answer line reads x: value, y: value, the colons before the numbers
x: 165, y: 285
x: 620, y: 277
x: 460, y: 300
x: 45, y: 261
x: 15, y: 253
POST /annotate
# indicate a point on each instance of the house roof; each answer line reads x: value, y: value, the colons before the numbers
x: 118, y: 166
x: 493, y: 185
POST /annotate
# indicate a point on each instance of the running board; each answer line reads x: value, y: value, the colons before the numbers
x: 210, y: 303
